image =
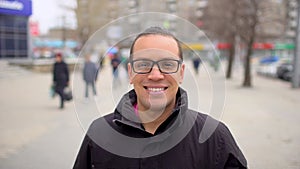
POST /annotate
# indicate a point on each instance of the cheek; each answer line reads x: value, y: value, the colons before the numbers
x: 175, y: 79
x: 135, y: 79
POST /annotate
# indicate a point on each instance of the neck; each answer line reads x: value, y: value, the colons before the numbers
x: 159, y: 117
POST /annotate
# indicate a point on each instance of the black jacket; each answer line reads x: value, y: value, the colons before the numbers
x: 60, y: 75
x: 119, y: 141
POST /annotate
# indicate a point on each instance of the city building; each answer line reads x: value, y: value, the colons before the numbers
x: 272, y: 17
x: 271, y: 23
x: 92, y: 15
x: 291, y: 11
x: 14, y: 28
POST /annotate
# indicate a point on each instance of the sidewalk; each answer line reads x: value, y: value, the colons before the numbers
x: 265, y: 121
x: 36, y: 134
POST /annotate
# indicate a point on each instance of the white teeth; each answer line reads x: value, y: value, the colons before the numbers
x: 156, y: 89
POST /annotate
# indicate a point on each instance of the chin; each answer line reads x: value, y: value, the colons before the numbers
x: 157, y: 107
x: 154, y: 104
x: 158, y: 104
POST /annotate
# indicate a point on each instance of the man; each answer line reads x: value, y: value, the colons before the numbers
x: 60, y: 77
x: 90, y: 73
x: 152, y: 126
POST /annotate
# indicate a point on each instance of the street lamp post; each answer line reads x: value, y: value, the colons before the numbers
x: 296, y: 69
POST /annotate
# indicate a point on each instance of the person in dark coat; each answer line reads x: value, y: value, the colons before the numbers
x: 115, y: 61
x: 90, y: 73
x: 153, y: 127
x: 196, y: 62
x: 60, y: 77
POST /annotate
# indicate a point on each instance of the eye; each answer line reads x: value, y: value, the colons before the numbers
x: 168, y: 64
x: 142, y: 64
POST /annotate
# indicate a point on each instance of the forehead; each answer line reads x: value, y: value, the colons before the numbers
x: 165, y: 45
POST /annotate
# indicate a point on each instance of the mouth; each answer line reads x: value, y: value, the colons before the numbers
x: 155, y: 89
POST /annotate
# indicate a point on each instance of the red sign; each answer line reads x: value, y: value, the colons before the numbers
x: 223, y: 46
x: 34, y: 28
x: 263, y: 46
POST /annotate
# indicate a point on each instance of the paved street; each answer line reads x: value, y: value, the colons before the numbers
x: 35, y: 134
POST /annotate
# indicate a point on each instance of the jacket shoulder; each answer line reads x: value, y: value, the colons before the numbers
x: 217, y: 136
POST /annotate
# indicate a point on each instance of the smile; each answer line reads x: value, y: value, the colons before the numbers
x: 155, y: 89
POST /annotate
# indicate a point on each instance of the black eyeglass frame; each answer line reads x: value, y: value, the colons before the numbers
x: 155, y: 63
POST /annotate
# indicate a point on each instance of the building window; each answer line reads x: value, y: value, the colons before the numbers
x: 13, y: 34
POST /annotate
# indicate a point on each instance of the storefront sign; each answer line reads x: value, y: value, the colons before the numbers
x: 263, y: 46
x: 16, y: 7
x: 284, y: 46
x: 223, y: 46
x: 34, y: 28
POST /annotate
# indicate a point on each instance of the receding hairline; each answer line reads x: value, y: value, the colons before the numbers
x: 149, y: 35
x: 143, y: 35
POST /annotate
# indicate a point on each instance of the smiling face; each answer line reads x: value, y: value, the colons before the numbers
x: 156, y: 90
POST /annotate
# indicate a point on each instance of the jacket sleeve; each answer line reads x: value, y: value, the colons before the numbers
x: 83, y: 159
x: 233, y: 163
x: 229, y: 154
x: 96, y: 72
x: 67, y: 72
x: 54, y: 74
x: 84, y: 72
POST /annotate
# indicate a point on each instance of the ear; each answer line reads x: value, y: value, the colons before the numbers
x: 130, y: 73
x: 182, y: 69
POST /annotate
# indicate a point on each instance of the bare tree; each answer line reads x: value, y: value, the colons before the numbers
x: 246, y: 24
x: 257, y: 20
x: 228, y: 19
x: 219, y: 19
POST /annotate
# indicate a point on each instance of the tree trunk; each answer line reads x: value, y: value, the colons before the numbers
x: 230, y: 58
x: 247, y: 74
x: 232, y: 41
x: 251, y: 36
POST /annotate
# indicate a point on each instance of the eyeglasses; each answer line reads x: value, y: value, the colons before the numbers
x: 144, y: 66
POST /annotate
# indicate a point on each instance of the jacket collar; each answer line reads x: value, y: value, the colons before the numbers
x: 125, y: 114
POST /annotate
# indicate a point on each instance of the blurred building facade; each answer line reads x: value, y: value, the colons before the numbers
x: 92, y: 15
x: 271, y: 21
x: 291, y: 11
x: 14, y: 28
x: 62, y: 33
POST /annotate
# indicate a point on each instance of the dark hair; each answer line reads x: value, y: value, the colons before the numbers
x: 156, y: 31
x: 59, y: 55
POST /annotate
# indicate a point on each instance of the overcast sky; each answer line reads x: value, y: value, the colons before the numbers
x: 49, y: 13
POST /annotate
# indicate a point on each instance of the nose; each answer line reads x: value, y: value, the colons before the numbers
x: 155, y: 74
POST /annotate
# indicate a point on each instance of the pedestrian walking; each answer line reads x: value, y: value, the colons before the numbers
x: 115, y: 62
x: 90, y: 73
x: 196, y: 62
x: 152, y: 127
x: 60, y: 77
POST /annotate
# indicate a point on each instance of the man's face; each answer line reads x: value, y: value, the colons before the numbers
x: 58, y: 59
x: 155, y: 90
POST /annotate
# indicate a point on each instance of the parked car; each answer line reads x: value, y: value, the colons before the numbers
x: 269, y: 59
x: 268, y: 66
x: 284, y: 71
